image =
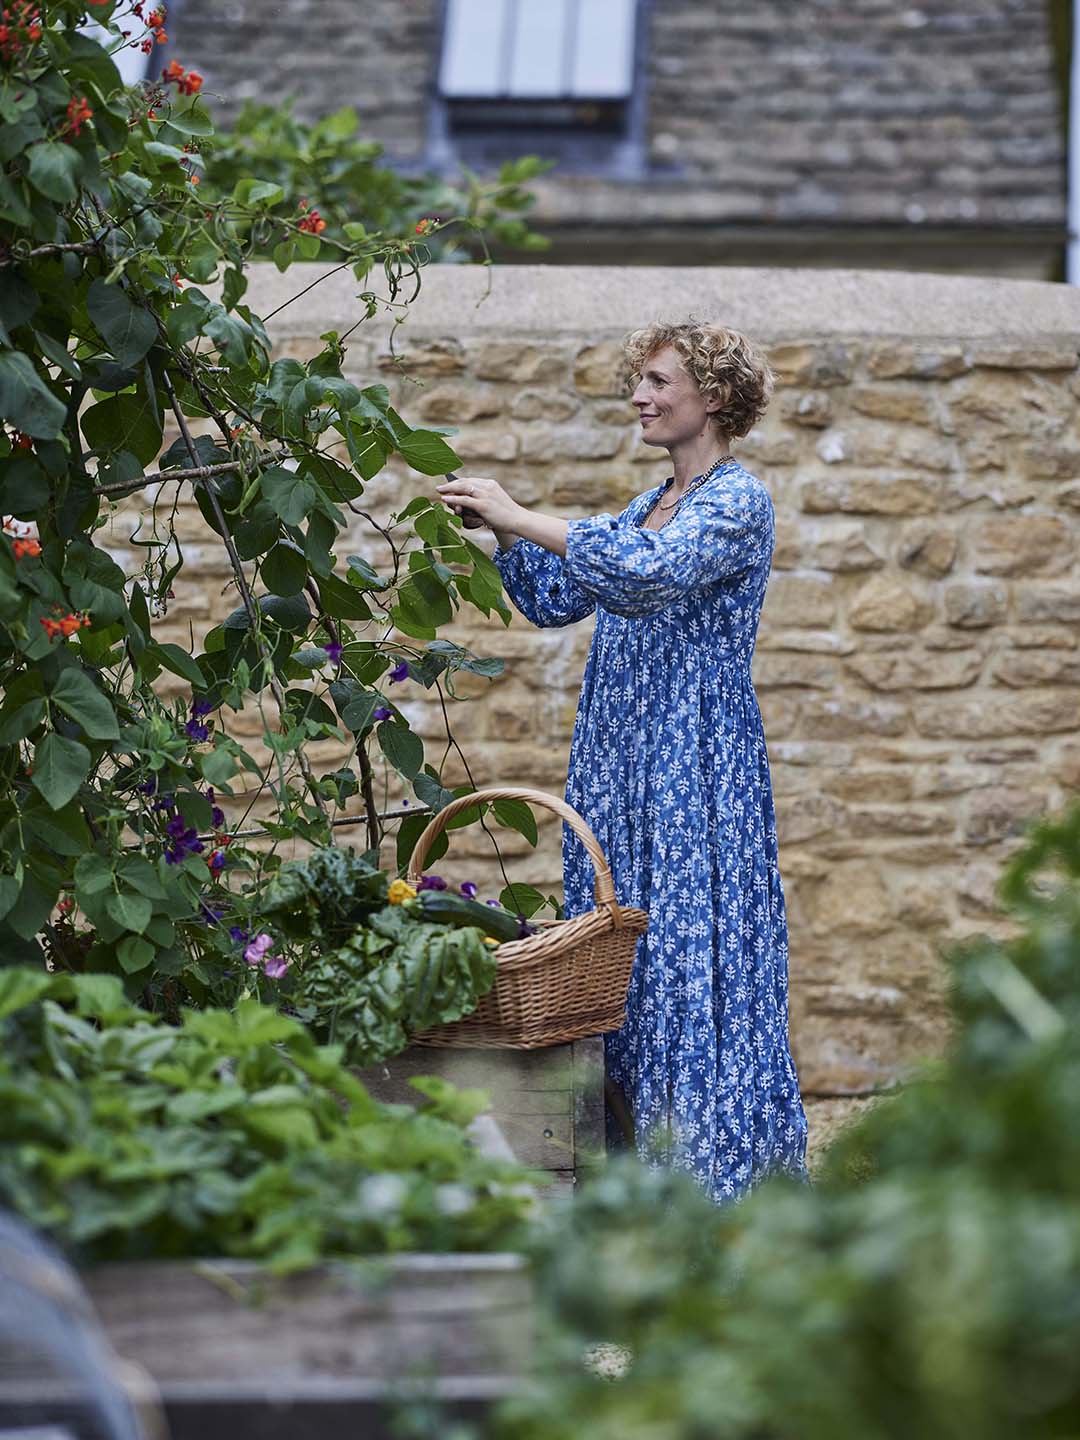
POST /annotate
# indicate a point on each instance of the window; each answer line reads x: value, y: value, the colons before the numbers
x: 553, y: 76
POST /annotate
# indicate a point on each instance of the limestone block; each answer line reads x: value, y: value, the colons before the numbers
x: 898, y: 361
x: 485, y: 442
x: 1050, y: 713
x: 1001, y: 406
x: 821, y: 365
x: 843, y: 548
x: 787, y: 551
x: 1000, y: 812
x: 851, y: 719
x: 773, y: 670
x: 828, y: 1120
x: 985, y: 485
x: 886, y: 822
x: 873, y: 446
x: 598, y: 370
x: 877, y: 494
x: 1043, y: 637
x: 851, y: 901
x: 1023, y: 545
x: 813, y: 754
x: 881, y: 786
x: 1039, y: 603
x: 436, y: 356
x: 761, y: 447
x: 920, y: 905
x: 614, y: 412
x: 907, y: 404
x: 568, y: 442
x: 544, y: 404
x: 1057, y: 356
x: 916, y: 670
x: 1050, y: 462
x: 976, y: 890
x: 886, y: 603
x: 928, y: 548
x: 805, y: 817
x: 975, y: 605
x: 778, y: 714
x: 457, y: 402
x: 517, y: 360
x: 800, y: 600
x: 813, y: 408
x: 815, y: 642
x: 1038, y: 667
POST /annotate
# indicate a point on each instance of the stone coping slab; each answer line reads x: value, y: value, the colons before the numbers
x: 585, y: 300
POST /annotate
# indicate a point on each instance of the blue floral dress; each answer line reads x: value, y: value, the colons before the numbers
x: 668, y: 765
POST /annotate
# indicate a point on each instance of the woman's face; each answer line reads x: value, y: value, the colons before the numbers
x: 670, y: 406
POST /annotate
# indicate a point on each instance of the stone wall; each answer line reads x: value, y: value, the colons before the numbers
x: 918, y: 663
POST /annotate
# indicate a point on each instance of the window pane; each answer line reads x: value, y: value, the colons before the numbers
x: 538, y: 59
x: 604, y: 48
x: 473, y: 47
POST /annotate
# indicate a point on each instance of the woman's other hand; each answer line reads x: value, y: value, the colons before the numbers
x: 487, y: 497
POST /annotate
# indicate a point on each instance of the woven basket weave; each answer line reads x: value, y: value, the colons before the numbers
x: 564, y: 983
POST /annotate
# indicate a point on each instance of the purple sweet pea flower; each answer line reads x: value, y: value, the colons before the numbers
x: 274, y: 967
x: 333, y: 649
x: 255, y: 953
x: 237, y: 935
x: 431, y: 882
x: 148, y: 787
x: 382, y: 713
x: 196, y: 730
x: 468, y: 889
x: 185, y: 841
x: 400, y: 671
x: 201, y: 707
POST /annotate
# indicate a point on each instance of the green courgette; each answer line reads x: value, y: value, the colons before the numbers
x: 447, y: 909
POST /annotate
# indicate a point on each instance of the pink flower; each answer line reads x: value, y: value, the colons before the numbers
x: 256, y: 951
x: 274, y: 966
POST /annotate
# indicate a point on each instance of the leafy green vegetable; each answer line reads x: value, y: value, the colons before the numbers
x: 235, y: 1134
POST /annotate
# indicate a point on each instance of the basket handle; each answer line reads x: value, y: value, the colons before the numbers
x: 603, y: 887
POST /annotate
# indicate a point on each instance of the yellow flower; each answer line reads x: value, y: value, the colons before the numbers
x: 400, y: 890
x: 490, y: 940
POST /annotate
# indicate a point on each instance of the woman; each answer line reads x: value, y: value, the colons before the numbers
x: 668, y: 762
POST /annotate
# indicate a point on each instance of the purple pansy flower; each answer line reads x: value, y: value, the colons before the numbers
x: 400, y: 671
x: 468, y: 889
x: 382, y: 713
x: 333, y: 649
x: 431, y: 882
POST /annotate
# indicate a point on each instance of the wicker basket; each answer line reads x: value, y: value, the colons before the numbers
x: 567, y: 981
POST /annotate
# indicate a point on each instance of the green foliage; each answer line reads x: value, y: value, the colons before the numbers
x: 340, y: 179
x: 122, y: 312
x: 928, y: 1285
x: 235, y: 1134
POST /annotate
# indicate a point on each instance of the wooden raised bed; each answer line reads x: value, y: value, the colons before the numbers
x: 325, y: 1353
x: 547, y: 1105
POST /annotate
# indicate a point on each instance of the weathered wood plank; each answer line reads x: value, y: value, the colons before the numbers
x: 227, y: 1321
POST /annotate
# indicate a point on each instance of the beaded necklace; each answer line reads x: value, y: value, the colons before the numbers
x: 694, y: 485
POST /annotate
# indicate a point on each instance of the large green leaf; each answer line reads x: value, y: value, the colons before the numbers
x: 54, y: 170
x: 402, y: 747
x: 427, y: 452
x: 124, y: 422
x: 26, y: 401
x: 78, y: 696
x: 60, y: 767
x: 291, y: 496
x: 126, y: 328
x: 284, y: 570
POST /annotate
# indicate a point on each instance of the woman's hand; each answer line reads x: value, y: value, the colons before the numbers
x: 487, y: 497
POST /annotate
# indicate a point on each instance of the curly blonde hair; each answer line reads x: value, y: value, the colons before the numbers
x: 725, y: 365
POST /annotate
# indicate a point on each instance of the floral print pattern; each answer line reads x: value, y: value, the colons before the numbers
x: 669, y: 767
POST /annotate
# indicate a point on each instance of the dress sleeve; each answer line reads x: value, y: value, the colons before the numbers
x: 539, y: 584
x: 722, y: 531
